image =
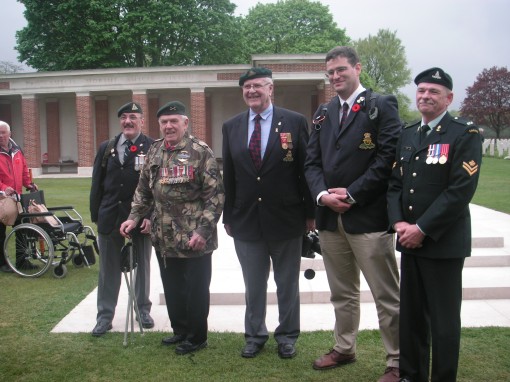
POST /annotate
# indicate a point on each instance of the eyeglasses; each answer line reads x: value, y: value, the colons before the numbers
x: 337, y: 71
x: 255, y: 86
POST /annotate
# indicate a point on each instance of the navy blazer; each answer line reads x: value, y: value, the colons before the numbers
x: 359, y: 158
x: 271, y: 203
x: 113, y: 187
x: 436, y: 194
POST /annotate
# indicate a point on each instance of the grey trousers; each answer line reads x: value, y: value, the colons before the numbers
x: 110, y: 274
x: 255, y: 258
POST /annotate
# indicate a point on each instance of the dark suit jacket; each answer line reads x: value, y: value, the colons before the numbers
x: 113, y: 187
x: 359, y: 158
x: 436, y: 196
x: 273, y: 202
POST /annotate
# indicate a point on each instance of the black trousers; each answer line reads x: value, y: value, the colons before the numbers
x: 2, y: 240
x: 186, y: 285
x: 430, y: 303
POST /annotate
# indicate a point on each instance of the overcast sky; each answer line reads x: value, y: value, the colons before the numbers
x: 461, y: 36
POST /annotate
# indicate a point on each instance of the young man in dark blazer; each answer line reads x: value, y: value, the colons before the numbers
x: 268, y: 207
x: 114, y: 179
x: 434, y: 177
x: 350, y: 154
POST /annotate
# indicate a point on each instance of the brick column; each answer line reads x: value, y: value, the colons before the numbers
x: 198, y: 115
x: 31, y: 131
x: 101, y: 119
x: 153, y: 125
x: 53, y: 130
x: 85, y: 133
x: 140, y: 97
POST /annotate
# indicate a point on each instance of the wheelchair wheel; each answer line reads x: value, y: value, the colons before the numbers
x: 60, y: 271
x: 78, y: 260
x: 28, y: 250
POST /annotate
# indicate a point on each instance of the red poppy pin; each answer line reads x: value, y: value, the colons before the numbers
x: 133, y: 148
x: 356, y: 107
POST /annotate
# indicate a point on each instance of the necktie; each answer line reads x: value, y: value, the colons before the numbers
x: 128, y: 144
x: 345, y: 111
x: 254, y: 145
x: 423, y: 132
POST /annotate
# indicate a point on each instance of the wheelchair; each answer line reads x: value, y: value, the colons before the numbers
x: 51, y: 239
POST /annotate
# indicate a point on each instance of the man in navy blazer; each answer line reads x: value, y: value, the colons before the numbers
x: 347, y: 169
x: 268, y: 207
x: 114, y: 179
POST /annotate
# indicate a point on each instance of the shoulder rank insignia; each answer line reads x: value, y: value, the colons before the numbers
x: 471, y: 167
x: 367, y: 142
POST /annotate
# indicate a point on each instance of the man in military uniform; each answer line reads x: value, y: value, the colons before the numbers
x: 433, y: 180
x: 181, y: 177
x: 114, y: 179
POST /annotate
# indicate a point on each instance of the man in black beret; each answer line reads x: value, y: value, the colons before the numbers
x: 114, y: 178
x: 187, y: 192
x: 267, y: 207
x: 434, y: 177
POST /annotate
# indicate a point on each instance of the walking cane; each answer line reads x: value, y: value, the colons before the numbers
x: 129, y: 262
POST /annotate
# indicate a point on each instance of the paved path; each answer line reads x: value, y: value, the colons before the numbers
x: 486, y: 283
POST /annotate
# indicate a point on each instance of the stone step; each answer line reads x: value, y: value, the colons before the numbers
x: 480, y: 283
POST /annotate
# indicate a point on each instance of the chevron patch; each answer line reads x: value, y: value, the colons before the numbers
x: 470, y: 167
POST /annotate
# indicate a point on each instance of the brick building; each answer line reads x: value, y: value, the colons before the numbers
x: 60, y: 118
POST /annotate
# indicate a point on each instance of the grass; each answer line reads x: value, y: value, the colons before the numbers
x: 494, y: 185
x: 30, y: 308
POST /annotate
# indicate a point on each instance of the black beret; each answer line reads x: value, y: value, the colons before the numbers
x: 171, y: 108
x: 435, y: 76
x: 257, y: 72
x: 130, y: 107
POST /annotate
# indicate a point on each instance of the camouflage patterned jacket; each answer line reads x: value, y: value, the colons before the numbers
x: 187, y: 189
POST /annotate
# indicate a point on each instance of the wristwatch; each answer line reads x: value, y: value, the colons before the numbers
x: 349, y: 200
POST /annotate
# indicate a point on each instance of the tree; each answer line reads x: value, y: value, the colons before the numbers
x: 291, y: 26
x: 77, y: 34
x: 7, y: 67
x: 487, y: 101
x: 383, y: 57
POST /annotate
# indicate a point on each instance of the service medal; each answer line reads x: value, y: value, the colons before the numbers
x: 367, y: 142
x: 445, y: 148
x: 437, y: 151
x: 430, y: 154
x: 284, y: 139
x: 288, y: 157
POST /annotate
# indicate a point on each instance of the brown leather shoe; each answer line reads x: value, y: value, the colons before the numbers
x: 391, y: 374
x: 333, y: 359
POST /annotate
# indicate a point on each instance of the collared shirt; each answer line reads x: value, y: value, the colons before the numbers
x: 350, y: 100
x: 265, y: 127
x: 432, y: 124
x: 121, y: 147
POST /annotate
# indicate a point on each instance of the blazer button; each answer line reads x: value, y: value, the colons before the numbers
x: 338, y: 147
x: 259, y: 199
x: 416, y: 158
x: 258, y: 178
x: 411, y: 191
x: 410, y: 208
x: 119, y: 202
x: 414, y: 175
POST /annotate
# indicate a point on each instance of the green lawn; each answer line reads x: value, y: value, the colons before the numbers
x: 30, y: 308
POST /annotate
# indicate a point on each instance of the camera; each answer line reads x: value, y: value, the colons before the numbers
x: 311, y: 245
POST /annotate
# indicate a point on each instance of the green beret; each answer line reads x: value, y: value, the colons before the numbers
x: 257, y: 72
x: 435, y: 76
x: 171, y: 108
x: 130, y: 107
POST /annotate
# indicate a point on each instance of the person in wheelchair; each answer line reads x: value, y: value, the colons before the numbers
x: 114, y: 180
x: 14, y: 175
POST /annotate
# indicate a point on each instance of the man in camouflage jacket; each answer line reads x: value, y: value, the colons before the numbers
x: 182, y: 178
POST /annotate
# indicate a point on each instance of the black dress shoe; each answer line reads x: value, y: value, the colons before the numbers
x: 251, y: 349
x: 101, y: 328
x: 147, y: 321
x: 188, y: 347
x: 286, y: 350
x: 172, y: 340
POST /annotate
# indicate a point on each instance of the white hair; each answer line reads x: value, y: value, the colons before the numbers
x: 2, y: 123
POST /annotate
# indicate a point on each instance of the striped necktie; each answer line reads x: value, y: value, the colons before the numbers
x: 345, y: 111
x: 254, y: 145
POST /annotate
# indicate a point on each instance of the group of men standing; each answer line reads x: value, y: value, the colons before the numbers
x: 357, y: 176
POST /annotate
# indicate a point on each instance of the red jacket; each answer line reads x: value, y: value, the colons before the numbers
x: 13, y: 169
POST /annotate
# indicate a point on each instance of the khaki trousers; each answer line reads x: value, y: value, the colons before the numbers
x: 373, y: 253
